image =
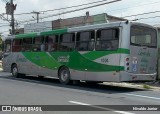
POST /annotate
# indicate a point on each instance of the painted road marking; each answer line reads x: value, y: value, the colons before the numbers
x: 103, y: 108
x: 123, y: 112
x: 79, y: 103
x: 136, y: 95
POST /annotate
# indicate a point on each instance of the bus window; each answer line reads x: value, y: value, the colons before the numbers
x: 16, y: 47
x: 8, y: 46
x: 51, y: 42
x: 107, y: 39
x: 143, y: 36
x: 67, y: 42
x: 85, y: 41
x: 27, y: 44
x: 38, y: 43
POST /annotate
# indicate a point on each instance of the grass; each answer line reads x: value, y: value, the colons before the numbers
x: 146, y: 86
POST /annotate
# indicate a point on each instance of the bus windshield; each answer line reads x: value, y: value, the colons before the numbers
x: 143, y: 36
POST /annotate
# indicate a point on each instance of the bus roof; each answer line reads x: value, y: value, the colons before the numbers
x: 74, y: 29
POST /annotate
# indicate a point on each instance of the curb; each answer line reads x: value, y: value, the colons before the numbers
x: 133, y: 85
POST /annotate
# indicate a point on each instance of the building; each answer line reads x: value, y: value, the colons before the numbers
x: 85, y: 20
x: 71, y: 22
x: 19, y: 31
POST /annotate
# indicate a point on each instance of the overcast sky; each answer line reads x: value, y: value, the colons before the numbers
x: 119, y: 9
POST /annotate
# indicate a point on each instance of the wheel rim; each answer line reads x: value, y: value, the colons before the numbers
x: 14, y: 71
x: 64, y: 75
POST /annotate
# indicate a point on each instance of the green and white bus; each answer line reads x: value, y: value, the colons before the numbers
x: 118, y: 52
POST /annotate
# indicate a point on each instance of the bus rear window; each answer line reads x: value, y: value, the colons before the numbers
x: 143, y: 36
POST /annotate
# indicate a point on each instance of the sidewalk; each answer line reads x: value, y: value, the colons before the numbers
x: 155, y: 86
x: 156, y: 83
x: 1, y: 69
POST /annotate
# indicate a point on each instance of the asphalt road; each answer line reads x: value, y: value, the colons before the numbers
x: 35, y: 91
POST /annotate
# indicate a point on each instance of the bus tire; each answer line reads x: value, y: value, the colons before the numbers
x: 14, y: 70
x: 64, y: 75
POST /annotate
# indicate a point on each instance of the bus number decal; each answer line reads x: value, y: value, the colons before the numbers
x: 63, y: 58
x: 104, y: 60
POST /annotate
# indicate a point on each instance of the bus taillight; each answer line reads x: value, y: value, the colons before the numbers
x: 127, y: 59
x: 127, y: 64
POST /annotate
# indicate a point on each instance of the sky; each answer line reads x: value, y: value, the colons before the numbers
x: 120, y: 9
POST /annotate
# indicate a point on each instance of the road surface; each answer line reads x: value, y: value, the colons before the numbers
x: 31, y: 90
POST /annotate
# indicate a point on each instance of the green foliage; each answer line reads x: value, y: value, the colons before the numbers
x: 146, y: 86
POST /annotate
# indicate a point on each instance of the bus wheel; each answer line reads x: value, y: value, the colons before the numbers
x: 14, y: 71
x: 64, y: 75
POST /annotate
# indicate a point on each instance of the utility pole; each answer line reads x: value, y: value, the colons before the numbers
x: 10, y: 7
x: 12, y: 18
x: 37, y: 14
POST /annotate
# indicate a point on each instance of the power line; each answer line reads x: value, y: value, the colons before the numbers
x: 37, y: 14
x: 73, y: 10
x: 145, y: 18
x: 3, y: 18
x: 64, y: 7
x: 80, y: 9
x: 141, y: 18
x: 3, y: 31
x: 95, y: 6
x: 75, y: 6
x: 82, y: 5
x: 4, y: 25
x: 92, y: 3
x: 113, y: 10
x: 88, y: 4
x: 141, y: 14
x: 134, y: 6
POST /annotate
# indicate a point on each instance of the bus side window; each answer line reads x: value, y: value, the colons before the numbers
x: 38, y: 43
x: 16, y: 45
x: 85, y: 41
x: 107, y: 39
x: 8, y: 46
x: 67, y: 42
x: 27, y: 44
x: 51, y: 43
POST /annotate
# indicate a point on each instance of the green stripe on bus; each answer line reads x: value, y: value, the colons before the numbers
x: 26, y: 35
x: 54, y: 32
x: 42, y: 59
x: 76, y: 61
x: 79, y: 62
x: 97, y: 54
